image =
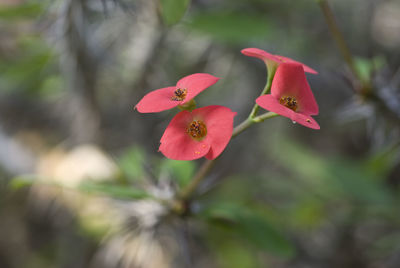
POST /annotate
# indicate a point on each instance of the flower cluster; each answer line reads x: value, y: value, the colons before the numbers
x: 205, y: 132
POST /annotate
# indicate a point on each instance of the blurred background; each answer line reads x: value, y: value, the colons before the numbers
x: 81, y: 178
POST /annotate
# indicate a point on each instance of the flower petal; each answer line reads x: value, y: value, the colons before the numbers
x: 177, y: 144
x: 290, y: 80
x: 289, y: 60
x: 219, y: 122
x: 270, y: 103
x: 157, y: 101
x: 261, y: 54
x: 196, y: 83
x: 306, y: 121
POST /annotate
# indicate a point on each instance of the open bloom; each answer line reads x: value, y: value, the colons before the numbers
x: 272, y: 61
x: 169, y: 97
x: 291, y: 96
x: 202, y: 132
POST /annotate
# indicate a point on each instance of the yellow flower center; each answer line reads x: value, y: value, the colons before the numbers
x: 289, y: 102
x: 179, y: 94
x: 197, y: 129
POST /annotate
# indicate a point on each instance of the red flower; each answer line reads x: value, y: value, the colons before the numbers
x: 273, y: 60
x: 203, y: 132
x: 291, y: 96
x: 169, y: 97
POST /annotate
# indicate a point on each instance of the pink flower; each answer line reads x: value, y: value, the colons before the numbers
x: 203, y: 132
x: 291, y: 96
x: 272, y: 61
x: 169, y: 97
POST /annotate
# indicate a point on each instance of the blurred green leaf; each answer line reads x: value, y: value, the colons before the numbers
x: 308, y: 213
x: 381, y: 163
x: 132, y: 163
x: 249, y: 226
x: 28, y: 71
x: 231, y: 27
x: 231, y: 254
x: 51, y: 86
x: 172, y: 11
x: 19, y: 182
x: 27, y: 10
x: 366, y: 67
x: 332, y: 178
x: 111, y: 190
x: 181, y: 171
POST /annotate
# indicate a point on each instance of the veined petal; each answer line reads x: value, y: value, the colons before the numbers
x: 219, y: 122
x: 196, y: 83
x: 261, y: 54
x: 157, y: 101
x: 270, y: 103
x: 290, y: 81
x: 306, y: 121
x: 289, y: 60
x: 177, y: 144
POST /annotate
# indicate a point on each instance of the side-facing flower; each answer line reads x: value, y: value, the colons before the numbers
x: 272, y: 61
x: 291, y: 96
x: 202, y: 132
x: 169, y: 97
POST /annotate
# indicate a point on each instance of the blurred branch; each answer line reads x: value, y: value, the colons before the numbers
x: 80, y: 68
x: 363, y: 88
x: 337, y: 35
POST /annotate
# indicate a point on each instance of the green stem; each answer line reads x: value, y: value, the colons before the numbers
x: 197, y: 179
x: 266, y: 89
x: 337, y: 35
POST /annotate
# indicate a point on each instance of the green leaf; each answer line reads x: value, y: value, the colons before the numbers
x: 172, y: 11
x: 231, y: 27
x: 330, y: 177
x: 111, y: 190
x: 132, y: 163
x: 231, y: 254
x: 249, y: 226
x: 20, y: 11
x: 21, y: 181
x: 181, y: 171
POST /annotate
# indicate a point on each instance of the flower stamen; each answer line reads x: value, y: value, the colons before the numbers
x: 179, y: 94
x: 289, y: 102
x: 197, y: 129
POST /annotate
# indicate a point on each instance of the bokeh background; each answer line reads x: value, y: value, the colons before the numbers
x: 80, y: 174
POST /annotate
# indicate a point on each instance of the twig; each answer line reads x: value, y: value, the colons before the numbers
x: 337, y: 35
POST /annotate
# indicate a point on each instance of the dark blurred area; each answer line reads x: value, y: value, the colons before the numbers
x: 81, y: 177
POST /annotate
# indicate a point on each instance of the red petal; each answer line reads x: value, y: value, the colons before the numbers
x: 259, y: 53
x: 290, y: 80
x: 270, y: 103
x: 219, y: 122
x: 196, y: 83
x: 177, y: 144
x: 289, y: 60
x: 307, y: 121
x: 157, y: 101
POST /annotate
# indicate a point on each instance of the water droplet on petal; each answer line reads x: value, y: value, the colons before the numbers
x: 294, y: 122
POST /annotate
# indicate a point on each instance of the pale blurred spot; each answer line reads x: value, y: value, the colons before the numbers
x: 386, y: 24
x: 73, y: 167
